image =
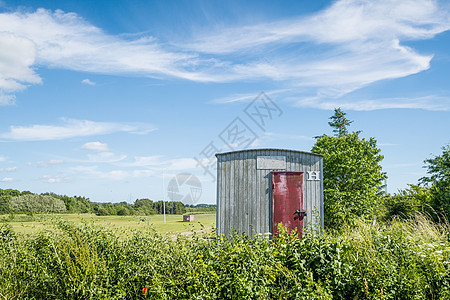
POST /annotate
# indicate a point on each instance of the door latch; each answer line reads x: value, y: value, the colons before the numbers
x: 300, y: 213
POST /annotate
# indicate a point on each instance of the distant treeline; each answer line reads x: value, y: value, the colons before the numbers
x: 14, y: 201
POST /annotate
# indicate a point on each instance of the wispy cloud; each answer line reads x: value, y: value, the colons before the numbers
x: 16, y: 61
x: 427, y: 103
x: 288, y: 136
x: 105, y: 157
x: 65, y: 40
x: 95, y: 146
x: 71, y: 128
x: 333, y: 52
x: 7, y: 179
x: 54, y: 179
x: 47, y: 164
x: 119, y: 174
x: 328, y: 54
x: 88, y: 82
x: 247, y: 97
x: 158, y: 162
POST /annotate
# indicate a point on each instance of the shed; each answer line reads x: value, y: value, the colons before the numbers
x: 259, y: 188
x: 188, y: 218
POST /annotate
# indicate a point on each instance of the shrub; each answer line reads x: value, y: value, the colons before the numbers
x: 403, y: 260
x: 37, y: 203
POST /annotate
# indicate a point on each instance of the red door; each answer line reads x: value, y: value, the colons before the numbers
x: 287, y: 201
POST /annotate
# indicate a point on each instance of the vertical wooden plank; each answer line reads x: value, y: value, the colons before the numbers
x: 225, y: 197
x: 230, y: 192
x: 249, y: 173
x: 252, y: 192
x: 219, y: 199
x: 236, y: 182
x: 245, y: 193
x: 257, y: 202
x: 321, y: 196
x: 241, y: 194
x: 222, y: 200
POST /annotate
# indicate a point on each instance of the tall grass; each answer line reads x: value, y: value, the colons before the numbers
x: 402, y: 260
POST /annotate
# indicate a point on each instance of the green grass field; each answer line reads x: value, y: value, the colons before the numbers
x: 174, y: 223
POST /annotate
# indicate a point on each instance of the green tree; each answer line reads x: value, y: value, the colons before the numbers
x: 144, y: 206
x: 339, y: 122
x: 37, y: 203
x: 438, y: 179
x: 351, y: 173
x: 406, y: 202
x: 5, y: 199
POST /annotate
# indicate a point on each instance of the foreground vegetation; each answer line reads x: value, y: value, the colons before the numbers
x: 402, y: 260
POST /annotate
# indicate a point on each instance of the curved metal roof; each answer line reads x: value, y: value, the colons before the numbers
x: 268, y: 149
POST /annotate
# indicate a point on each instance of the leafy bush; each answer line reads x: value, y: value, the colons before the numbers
x: 37, y: 203
x: 406, y: 203
x: 405, y: 260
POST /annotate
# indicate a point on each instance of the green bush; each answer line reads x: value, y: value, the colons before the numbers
x: 403, y: 260
x: 406, y: 203
x: 37, y: 203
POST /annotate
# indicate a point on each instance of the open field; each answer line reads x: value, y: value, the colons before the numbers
x: 174, y: 223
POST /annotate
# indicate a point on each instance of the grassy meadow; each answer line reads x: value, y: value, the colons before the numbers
x: 31, y: 224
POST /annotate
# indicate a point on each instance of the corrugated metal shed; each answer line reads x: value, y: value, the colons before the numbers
x: 244, y: 188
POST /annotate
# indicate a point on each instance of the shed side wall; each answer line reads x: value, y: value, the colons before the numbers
x: 244, y: 195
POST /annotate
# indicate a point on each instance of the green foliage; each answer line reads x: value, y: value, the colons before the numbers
x: 140, y: 207
x: 339, y: 122
x: 406, y: 203
x: 5, y: 200
x: 351, y: 174
x: 76, y: 204
x: 144, y: 207
x: 201, y: 208
x: 405, y: 260
x: 438, y: 179
x: 37, y: 203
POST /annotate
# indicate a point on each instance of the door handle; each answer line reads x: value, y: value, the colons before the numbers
x: 300, y: 213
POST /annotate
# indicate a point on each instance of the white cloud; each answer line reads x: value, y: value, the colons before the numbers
x: 340, y: 49
x: 94, y: 172
x: 158, y: 162
x: 143, y: 161
x: 71, y: 128
x: 2, y: 158
x: 54, y: 179
x: 88, y: 82
x: 95, y: 146
x: 16, y: 60
x: 433, y: 103
x: 350, y: 44
x: 11, y: 169
x: 47, y: 164
x: 105, y: 157
x: 247, y: 97
x: 65, y: 40
x: 288, y: 136
x: 7, y: 179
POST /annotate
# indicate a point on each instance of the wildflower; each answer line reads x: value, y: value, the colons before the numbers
x: 144, y: 290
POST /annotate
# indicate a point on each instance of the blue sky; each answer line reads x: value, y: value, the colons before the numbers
x: 112, y: 99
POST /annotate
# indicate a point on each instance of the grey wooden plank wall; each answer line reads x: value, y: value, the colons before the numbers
x: 244, y: 193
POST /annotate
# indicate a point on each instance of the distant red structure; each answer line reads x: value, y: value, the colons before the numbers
x: 188, y: 218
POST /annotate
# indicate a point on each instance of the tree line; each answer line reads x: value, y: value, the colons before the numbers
x: 14, y: 201
x: 354, y: 180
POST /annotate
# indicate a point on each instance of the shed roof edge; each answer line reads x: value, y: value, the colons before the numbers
x: 268, y: 149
